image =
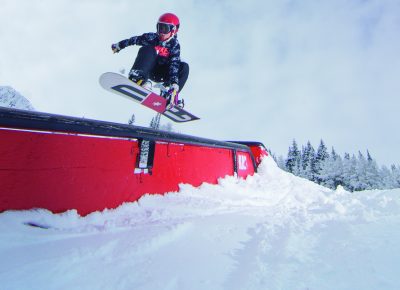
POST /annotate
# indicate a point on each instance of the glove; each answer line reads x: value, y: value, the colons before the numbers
x: 172, y: 95
x: 173, y: 90
x: 115, y: 48
x: 174, y: 87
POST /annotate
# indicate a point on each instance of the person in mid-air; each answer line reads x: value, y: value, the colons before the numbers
x: 159, y: 59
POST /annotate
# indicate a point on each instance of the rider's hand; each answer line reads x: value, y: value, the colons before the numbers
x: 115, y: 48
x: 173, y: 91
x: 172, y: 95
x: 174, y: 88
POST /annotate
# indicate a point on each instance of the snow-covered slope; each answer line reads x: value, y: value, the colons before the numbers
x: 10, y: 98
x: 272, y: 231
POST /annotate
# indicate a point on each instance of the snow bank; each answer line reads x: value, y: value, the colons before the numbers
x: 10, y: 98
x: 271, y: 231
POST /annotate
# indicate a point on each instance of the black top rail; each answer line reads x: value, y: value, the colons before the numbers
x: 33, y: 120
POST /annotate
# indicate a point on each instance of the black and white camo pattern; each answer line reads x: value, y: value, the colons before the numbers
x: 170, y: 55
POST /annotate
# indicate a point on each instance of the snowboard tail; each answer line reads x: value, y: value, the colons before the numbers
x: 123, y: 86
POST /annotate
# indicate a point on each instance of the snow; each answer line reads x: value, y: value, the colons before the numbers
x: 10, y: 98
x: 271, y: 231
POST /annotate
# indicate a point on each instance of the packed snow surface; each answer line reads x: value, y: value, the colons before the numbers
x: 271, y: 231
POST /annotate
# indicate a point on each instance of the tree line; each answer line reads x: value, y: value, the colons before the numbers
x: 329, y: 169
x: 155, y: 123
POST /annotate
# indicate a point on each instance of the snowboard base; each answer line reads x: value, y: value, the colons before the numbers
x: 123, y: 86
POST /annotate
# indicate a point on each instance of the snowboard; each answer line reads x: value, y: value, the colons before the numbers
x: 123, y: 86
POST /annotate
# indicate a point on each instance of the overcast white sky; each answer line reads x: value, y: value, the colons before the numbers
x: 261, y: 70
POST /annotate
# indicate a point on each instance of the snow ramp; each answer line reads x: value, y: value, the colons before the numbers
x: 60, y: 163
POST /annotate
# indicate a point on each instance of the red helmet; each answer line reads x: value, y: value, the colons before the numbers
x: 167, y: 26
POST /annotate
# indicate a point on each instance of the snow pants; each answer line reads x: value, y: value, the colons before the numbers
x: 147, y: 62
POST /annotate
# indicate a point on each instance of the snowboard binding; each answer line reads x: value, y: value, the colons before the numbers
x: 170, y: 103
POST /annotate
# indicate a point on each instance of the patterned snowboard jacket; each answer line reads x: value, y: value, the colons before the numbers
x: 168, y: 51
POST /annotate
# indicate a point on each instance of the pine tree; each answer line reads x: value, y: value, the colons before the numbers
x: 322, y: 152
x: 337, y: 171
x: 369, y: 158
x: 387, y: 178
x: 396, y: 175
x: 349, y: 169
x: 360, y: 178
x: 372, y: 175
x: 308, y: 162
x: 132, y: 120
x: 168, y: 127
x: 354, y: 177
x: 321, y: 156
x: 155, y: 122
x: 293, y: 159
x: 332, y: 171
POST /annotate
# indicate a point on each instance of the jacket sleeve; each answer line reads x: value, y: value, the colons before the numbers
x: 142, y: 40
x: 175, y: 61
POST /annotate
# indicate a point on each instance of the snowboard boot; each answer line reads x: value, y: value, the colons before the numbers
x: 136, y: 76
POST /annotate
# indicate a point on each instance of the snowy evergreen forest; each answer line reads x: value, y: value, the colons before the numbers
x: 354, y: 173
x: 155, y: 123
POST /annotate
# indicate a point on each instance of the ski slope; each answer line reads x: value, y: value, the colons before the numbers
x: 271, y: 231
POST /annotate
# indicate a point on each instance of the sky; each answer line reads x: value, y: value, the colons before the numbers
x: 260, y: 70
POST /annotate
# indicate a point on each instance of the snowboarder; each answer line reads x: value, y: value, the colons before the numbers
x: 159, y: 59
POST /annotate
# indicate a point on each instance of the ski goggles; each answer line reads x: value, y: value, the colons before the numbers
x: 165, y: 28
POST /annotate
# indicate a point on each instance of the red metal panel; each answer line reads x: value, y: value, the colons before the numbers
x: 244, y: 164
x: 59, y: 171
x: 179, y: 163
x: 259, y: 152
